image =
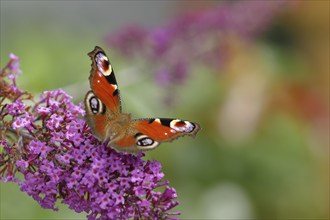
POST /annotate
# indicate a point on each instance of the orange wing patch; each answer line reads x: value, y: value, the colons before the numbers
x: 126, y: 142
x: 103, y: 81
x: 106, y: 92
x: 154, y: 130
x: 100, y: 124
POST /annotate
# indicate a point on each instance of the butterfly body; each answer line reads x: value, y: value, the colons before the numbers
x: 107, y: 121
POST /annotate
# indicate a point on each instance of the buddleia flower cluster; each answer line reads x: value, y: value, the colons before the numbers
x: 49, y: 144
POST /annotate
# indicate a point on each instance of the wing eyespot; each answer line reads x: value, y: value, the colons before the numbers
x: 94, y: 104
x: 143, y: 142
x: 182, y: 126
x: 103, y: 64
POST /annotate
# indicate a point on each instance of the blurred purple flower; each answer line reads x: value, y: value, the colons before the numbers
x: 160, y: 41
x: 177, y: 74
x: 200, y: 37
x: 163, y: 77
x: 128, y: 41
x: 59, y: 158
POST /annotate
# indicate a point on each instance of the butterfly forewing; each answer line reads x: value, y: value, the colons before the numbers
x: 103, y: 81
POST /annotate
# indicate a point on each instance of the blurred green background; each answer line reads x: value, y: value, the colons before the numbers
x: 263, y: 151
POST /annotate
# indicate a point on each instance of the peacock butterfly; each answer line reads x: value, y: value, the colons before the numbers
x: 107, y: 121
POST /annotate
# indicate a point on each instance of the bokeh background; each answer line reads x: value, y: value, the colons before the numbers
x: 254, y: 74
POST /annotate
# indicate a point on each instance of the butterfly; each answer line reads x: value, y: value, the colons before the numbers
x: 108, y: 123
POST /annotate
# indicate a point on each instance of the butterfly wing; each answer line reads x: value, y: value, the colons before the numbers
x: 103, y: 101
x: 103, y: 81
x: 96, y: 114
x: 149, y: 133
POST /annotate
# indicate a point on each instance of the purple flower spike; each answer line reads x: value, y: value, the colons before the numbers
x: 59, y: 158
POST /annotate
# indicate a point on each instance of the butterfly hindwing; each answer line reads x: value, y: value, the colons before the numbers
x: 96, y: 114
